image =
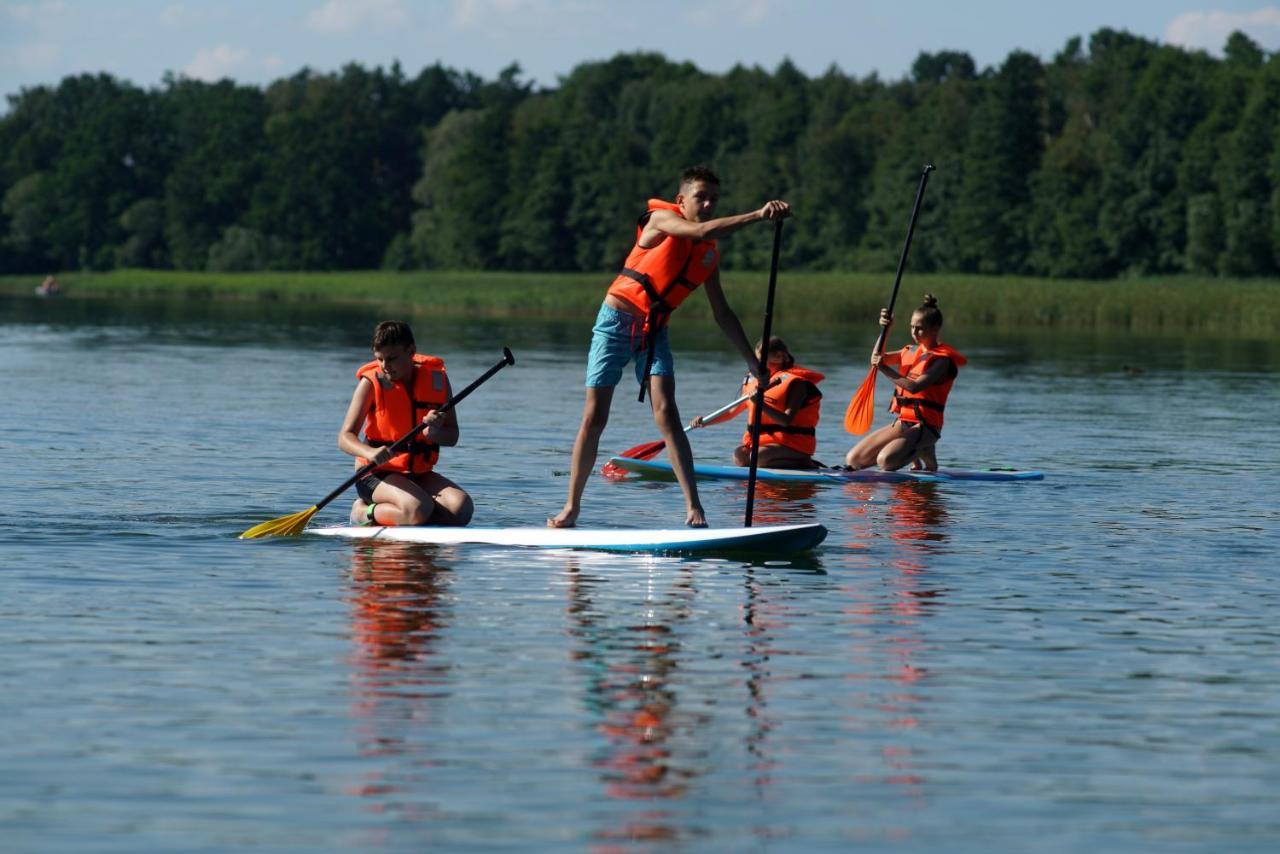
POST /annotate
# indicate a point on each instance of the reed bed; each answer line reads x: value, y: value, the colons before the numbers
x: 1155, y: 305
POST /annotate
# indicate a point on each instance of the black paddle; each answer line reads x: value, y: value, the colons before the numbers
x: 862, y: 406
x: 762, y: 379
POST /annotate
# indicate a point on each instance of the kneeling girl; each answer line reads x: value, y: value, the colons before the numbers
x: 922, y: 378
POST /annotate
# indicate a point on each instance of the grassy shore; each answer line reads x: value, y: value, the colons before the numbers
x: 1177, y: 305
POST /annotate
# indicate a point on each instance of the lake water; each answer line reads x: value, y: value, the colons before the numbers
x: 1090, y: 662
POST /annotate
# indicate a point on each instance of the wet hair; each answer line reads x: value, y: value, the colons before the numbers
x: 698, y: 173
x: 777, y: 345
x: 392, y: 333
x: 929, y: 312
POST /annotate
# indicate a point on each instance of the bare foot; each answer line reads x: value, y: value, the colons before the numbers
x: 566, y: 518
x: 695, y: 519
x: 358, y: 511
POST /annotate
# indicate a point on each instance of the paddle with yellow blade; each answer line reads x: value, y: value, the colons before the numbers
x: 288, y: 526
x: 862, y: 407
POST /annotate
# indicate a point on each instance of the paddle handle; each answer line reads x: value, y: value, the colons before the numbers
x: 403, y: 442
x: 902, y: 258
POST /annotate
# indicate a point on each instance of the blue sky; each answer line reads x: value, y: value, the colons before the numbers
x: 255, y: 41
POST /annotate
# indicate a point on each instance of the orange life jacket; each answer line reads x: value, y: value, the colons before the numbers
x: 394, y: 412
x: 801, y: 434
x: 661, y: 277
x: 926, y: 404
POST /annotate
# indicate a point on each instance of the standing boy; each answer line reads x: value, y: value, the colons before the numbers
x: 674, y: 254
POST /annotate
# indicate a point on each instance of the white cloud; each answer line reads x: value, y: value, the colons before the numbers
x: 180, y: 15
x: 41, y: 13
x: 725, y: 15
x: 37, y: 57
x: 212, y: 64
x: 1209, y: 30
x: 341, y: 16
x: 489, y: 13
x: 755, y: 12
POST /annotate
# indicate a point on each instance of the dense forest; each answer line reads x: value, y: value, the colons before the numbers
x: 1117, y: 157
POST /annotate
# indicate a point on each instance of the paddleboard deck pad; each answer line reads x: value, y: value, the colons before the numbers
x: 662, y: 469
x: 772, y: 539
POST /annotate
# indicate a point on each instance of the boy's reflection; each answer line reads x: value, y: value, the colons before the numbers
x: 629, y: 653
x: 398, y: 609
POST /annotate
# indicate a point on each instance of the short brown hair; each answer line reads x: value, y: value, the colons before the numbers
x: 392, y: 333
x: 698, y: 173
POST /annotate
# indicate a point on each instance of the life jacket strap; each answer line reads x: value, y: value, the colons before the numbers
x: 417, y: 447
x: 918, y: 401
x: 657, y: 305
x: 787, y: 428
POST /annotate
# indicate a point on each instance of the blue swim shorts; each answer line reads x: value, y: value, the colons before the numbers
x: 617, y: 338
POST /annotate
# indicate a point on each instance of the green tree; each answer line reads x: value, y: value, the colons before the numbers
x: 1001, y: 153
x: 1244, y: 169
x: 342, y: 155
x: 533, y: 234
x: 219, y: 144
x: 94, y: 146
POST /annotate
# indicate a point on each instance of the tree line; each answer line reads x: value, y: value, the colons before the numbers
x: 1119, y: 157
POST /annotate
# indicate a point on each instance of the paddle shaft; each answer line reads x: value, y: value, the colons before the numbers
x: 763, y: 367
x: 722, y: 410
x: 403, y: 442
x: 902, y: 258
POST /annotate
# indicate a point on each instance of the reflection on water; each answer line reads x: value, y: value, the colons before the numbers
x: 888, y: 640
x: 1107, y: 682
x: 627, y: 661
x: 397, y: 614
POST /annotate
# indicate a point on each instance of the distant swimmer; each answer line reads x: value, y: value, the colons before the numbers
x: 49, y: 287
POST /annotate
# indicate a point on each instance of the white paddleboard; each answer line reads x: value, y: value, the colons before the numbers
x: 769, y: 538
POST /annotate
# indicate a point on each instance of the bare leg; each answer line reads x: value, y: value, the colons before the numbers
x: 867, y: 451
x: 774, y: 457
x: 401, y: 501
x: 926, y: 460
x: 913, y: 441
x: 595, y: 415
x: 662, y: 396
x: 450, y: 503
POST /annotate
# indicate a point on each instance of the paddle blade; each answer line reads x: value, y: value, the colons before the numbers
x: 862, y: 407
x: 285, y: 526
x: 647, y: 451
x: 613, y: 472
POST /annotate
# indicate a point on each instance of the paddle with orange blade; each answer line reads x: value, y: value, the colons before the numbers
x: 862, y: 407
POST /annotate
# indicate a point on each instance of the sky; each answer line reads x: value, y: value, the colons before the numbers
x: 257, y: 41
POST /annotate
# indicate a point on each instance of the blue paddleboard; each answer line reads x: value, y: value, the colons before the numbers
x: 662, y: 469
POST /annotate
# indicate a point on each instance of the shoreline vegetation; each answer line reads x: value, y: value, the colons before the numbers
x: 1153, y: 305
